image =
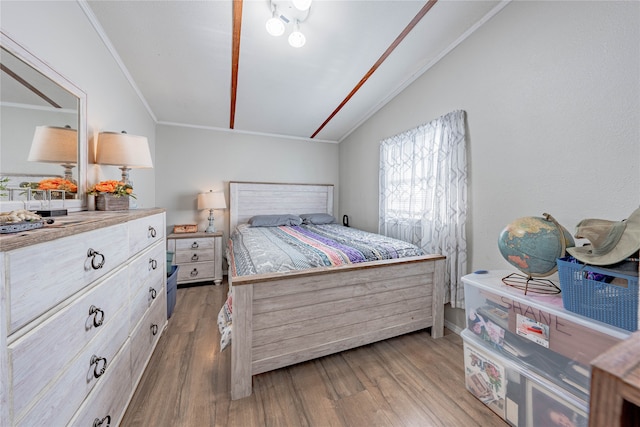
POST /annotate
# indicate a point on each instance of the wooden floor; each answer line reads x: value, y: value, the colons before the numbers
x: 410, y: 380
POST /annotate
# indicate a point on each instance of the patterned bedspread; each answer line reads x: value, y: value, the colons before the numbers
x: 258, y: 250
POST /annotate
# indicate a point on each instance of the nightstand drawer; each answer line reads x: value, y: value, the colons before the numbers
x: 183, y: 257
x: 201, y: 243
x: 196, y: 271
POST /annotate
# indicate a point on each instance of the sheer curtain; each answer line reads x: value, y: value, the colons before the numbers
x: 423, y: 193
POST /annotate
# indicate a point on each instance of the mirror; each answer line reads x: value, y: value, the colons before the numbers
x: 37, y: 102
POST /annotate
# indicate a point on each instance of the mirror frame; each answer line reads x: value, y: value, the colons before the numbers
x: 13, y: 47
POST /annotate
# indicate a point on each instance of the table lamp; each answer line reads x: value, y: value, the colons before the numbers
x: 124, y: 150
x: 55, y: 145
x: 211, y: 201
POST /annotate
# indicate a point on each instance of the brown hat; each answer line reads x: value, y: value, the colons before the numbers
x: 611, y: 241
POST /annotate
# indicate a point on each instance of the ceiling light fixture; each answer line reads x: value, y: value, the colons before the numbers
x: 296, y: 38
x: 296, y: 11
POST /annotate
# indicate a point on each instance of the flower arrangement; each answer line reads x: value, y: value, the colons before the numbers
x: 58, y: 184
x: 117, y: 188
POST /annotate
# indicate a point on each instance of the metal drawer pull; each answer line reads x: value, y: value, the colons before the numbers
x: 194, y: 257
x: 154, y: 329
x: 194, y: 272
x: 101, y: 422
x: 195, y: 245
x: 153, y: 293
x: 152, y: 232
x: 94, y: 255
x: 153, y: 264
x: 98, y: 315
x: 95, y: 360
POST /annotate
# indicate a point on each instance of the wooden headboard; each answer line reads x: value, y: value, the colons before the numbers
x: 247, y: 199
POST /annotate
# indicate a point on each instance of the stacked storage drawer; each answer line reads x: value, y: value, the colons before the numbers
x: 535, y: 333
x: 517, y: 394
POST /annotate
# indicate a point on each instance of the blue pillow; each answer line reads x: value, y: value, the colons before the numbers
x: 318, y: 218
x: 274, y: 220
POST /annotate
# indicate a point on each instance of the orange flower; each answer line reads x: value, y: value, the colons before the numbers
x: 118, y: 188
x: 57, y: 184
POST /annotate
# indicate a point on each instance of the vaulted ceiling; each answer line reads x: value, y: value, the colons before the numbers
x: 212, y: 64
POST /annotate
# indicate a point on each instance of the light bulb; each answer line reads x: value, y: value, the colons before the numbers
x: 302, y: 4
x: 297, y: 39
x: 275, y: 26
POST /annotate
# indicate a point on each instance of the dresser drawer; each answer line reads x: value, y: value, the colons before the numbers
x: 73, y: 261
x: 108, y: 400
x: 40, y: 355
x: 145, y: 231
x: 144, y: 297
x: 196, y: 271
x: 148, y: 267
x: 146, y: 335
x: 193, y: 255
x: 202, y: 243
x: 63, y: 397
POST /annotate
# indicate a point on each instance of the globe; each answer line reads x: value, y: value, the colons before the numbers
x: 532, y: 244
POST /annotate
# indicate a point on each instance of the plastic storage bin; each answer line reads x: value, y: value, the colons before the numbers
x: 169, y: 261
x: 614, y: 303
x: 535, y: 331
x: 520, y: 397
x: 172, y: 290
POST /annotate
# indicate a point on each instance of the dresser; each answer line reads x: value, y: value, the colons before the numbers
x: 197, y: 255
x: 85, y: 306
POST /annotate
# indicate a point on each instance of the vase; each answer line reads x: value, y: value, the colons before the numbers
x: 111, y: 202
x: 91, y: 202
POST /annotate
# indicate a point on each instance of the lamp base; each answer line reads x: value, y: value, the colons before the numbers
x: 211, y: 228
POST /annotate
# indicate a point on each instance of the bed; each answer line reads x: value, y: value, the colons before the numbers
x: 280, y: 319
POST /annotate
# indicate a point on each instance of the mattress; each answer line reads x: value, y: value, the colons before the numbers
x: 261, y: 250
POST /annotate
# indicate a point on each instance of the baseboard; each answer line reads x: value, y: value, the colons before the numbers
x: 452, y: 327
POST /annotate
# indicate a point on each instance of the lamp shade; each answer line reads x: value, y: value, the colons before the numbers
x: 211, y: 200
x: 54, y: 145
x: 122, y: 149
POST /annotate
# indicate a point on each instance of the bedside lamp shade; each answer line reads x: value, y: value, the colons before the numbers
x: 124, y: 150
x: 55, y: 145
x: 211, y: 201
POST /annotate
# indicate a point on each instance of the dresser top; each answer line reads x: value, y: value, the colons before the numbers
x: 69, y: 225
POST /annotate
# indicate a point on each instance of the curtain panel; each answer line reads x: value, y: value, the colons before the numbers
x: 423, y: 193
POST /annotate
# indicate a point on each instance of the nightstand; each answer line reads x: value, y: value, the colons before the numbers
x: 198, y: 256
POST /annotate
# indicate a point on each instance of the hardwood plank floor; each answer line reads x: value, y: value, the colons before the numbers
x: 412, y: 380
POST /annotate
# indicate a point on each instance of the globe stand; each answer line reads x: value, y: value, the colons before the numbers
x: 529, y: 284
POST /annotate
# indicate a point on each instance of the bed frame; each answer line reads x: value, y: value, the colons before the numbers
x: 286, y: 318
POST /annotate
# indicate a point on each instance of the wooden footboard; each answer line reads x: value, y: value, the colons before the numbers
x: 283, y: 319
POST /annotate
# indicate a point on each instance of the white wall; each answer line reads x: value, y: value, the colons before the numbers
x: 552, y: 95
x: 194, y: 160
x: 59, y: 33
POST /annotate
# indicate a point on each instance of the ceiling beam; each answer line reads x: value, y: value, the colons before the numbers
x: 379, y: 62
x: 235, y: 59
